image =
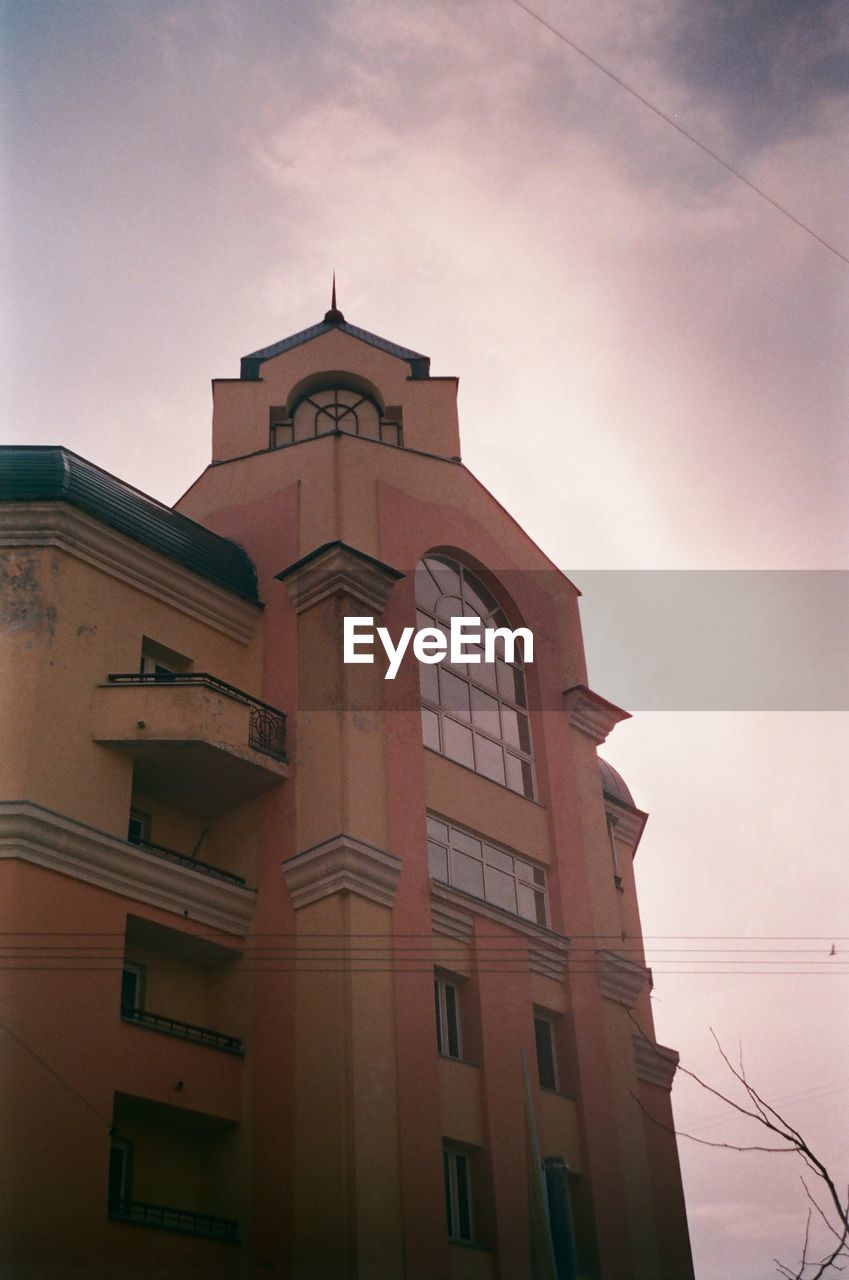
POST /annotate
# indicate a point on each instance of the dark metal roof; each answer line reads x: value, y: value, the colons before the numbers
x: 613, y: 784
x: 419, y: 364
x: 46, y: 473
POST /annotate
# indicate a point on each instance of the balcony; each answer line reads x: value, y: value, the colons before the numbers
x: 186, y: 860
x: 166, y: 1218
x: 184, y: 1030
x: 197, y: 743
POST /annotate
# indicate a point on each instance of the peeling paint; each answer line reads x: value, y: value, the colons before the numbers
x: 22, y: 603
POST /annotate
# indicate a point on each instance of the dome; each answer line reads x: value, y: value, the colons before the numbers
x: 613, y: 784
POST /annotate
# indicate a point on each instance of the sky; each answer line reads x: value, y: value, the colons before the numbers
x: 652, y: 377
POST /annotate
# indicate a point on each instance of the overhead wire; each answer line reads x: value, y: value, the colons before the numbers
x: 670, y: 120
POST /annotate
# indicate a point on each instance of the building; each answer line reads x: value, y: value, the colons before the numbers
x: 311, y: 973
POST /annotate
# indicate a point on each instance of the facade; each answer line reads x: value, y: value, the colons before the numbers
x: 311, y: 973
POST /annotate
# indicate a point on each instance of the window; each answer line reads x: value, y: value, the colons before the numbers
x: 546, y: 1056
x: 132, y: 987
x: 160, y: 662
x: 473, y: 712
x: 458, y: 1198
x: 120, y: 1172
x: 446, y: 999
x: 485, y: 870
x: 336, y: 409
x: 138, y: 827
x: 611, y: 835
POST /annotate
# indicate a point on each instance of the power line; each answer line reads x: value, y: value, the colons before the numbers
x: 680, y: 129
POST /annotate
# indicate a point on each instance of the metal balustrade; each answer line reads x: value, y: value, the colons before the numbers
x: 186, y: 860
x: 187, y: 1221
x: 184, y: 1030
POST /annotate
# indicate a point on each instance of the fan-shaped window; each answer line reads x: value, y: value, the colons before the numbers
x: 473, y: 712
x: 336, y: 409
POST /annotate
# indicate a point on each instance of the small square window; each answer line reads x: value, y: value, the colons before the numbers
x: 138, y: 827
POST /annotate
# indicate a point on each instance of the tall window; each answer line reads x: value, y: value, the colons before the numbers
x: 473, y: 712
x: 546, y: 1054
x: 458, y: 1195
x: 446, y: 1000
x: 474, y: 865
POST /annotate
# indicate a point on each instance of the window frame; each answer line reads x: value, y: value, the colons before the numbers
x: 543, y: 1019
x: 137, y: 971
x: 537, y: 886
x: 448, y: 1019
x: 125, y: 1177
x: 479, y: 692
x: 458, y: 1194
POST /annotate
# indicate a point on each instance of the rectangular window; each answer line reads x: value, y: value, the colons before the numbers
x: 487, y: 871
x: 120, y: 1172
x: 446, y: 999
x: 546, y: 1056
x: 132, y: 987
x: 458, y: 1196
x: 138, y: 827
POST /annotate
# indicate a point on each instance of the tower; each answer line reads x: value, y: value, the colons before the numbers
x: 328, y: 974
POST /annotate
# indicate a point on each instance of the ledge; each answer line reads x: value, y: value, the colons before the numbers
x: 337, y: 569
x: 47, y: 839
x: 622, y: 980
x: 453, y: 915
x: 342, y: 865
x: 591, y: 714
x: 655, y: 1063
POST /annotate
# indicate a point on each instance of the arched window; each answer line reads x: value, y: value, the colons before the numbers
x: 473, y: 712
x: 336, y: 409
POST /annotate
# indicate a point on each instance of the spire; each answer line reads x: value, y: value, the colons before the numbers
x: 334, y: 315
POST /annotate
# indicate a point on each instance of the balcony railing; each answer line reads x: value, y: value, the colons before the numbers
x: 267, y: 726
x: 185, y: 860
x: 185, y: 1030
x: 186, y: 1221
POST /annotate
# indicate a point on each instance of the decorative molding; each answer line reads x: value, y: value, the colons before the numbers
x: 591, y: 714
x: 655, y: 1063
x: 342, y: 865
x: 57, y: 843
x: 57, y: 524
x: 628, y: 823
x: 337, y: 569
x: 622, y: 980
x: 451, y: 921
x: 453, y: 913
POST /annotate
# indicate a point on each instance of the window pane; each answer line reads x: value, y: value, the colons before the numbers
x: 528, y: 904
x: 437, y: 829
x: 437, y: 858
x: 495, y: 858
x: 455, y: 695
x: 485, y: 712
x: 485, y: 674
x: 390, y: 433
x: 501, y: 890
x: 458, y: 743
x: 515, y: 777
x: 427, y: 591
x: 467, y: 844
x: 543, y: 1032
x: 449, y: 607
x: 464, y: 1208
x: 369, y: 423
x: 446, y: 1173
x: 452, y: 1021
x: 489, y: 759
x: 429, y: 682
x: 430, y: 729
x: 467, y: 873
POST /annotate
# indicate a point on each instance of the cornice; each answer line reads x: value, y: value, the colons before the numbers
x: 57, y: 524
x: 654, y: 1062
x: 591, y: 714
x: 629, y: 823
x: 50, y: 840
x: 621, y: 980
x: 342, y: 865
x: 453, y: 914
x: 337, y: 569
